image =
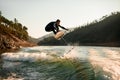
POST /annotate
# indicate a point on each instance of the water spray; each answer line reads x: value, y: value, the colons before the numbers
x: 67, y: 44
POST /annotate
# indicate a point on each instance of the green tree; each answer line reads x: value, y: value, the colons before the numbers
x: 19, y: 26
x: 0, y: 17
x: 15, y: 20
x: 0, y: 13
x: 25, y: 28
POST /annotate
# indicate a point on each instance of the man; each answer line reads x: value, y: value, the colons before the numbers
x: 54, y: 26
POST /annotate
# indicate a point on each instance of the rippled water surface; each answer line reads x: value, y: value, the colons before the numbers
x: 63, y: 63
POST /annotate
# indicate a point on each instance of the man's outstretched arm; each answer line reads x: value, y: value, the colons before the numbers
x: 63, y: 27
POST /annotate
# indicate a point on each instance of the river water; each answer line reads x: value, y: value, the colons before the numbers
x: 63, y: 63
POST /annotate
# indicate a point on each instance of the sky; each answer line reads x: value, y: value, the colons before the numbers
x: 36, y: 14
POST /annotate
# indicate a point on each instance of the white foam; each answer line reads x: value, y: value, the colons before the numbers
x: 73, y: 52
x: 20, y: 56
x: 112, y: 54
x: 110, y: 64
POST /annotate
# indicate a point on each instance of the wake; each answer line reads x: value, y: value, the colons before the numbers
x: 105, y: 61
x: 109, y: 63
x: 33, y: 55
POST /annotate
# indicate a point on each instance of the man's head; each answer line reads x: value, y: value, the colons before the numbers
x: 58, y: 22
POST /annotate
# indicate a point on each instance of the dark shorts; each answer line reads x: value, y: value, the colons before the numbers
x: 48, y: 29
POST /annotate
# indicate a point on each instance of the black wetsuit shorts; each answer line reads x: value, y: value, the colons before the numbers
x: 50, y: 26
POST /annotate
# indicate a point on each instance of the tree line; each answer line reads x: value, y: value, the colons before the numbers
x: 13, y: 27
